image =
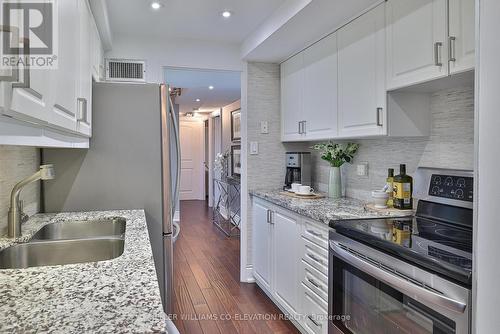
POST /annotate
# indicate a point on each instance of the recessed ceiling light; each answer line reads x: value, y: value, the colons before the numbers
x: 155, y: 5
x: 211, y: 87
x: 197, y: 100
x: 226, y: 14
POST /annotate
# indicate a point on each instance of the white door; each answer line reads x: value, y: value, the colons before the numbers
x: 286, y: 261
x: 63, y: 103
x: 292, y: 82
x: 192, y: 159
x: 417, y: 48
x: 462, y: 35
x: 261, y: 244
x: 319, y: 102
x: 362, y: 95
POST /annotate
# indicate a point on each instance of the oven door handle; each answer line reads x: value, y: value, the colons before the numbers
x: 397, y: 282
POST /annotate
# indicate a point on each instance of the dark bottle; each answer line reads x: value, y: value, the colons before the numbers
x: 403, y: 190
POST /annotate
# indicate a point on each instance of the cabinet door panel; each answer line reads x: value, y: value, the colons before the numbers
x: 319, y: 103
x: 292, y: 80
x: 261, y: 244
x: 65, y: 79
x: 413, y: 29
x: 286, y: 261
x: 361, y: 76
x: 84, y: 96
x: 462, y: 29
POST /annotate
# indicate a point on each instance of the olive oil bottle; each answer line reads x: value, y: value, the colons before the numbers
x: 390, y: 187
x: 403, y: 190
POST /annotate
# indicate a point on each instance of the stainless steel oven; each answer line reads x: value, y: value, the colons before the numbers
x: 372, y: 292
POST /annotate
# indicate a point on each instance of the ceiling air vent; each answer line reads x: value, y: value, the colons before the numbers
x: 125, y: 70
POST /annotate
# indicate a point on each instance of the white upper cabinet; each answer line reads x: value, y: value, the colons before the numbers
x: 84, y: 94
x: 462, y: 37
x: 428, y: 39
x: 309, y: 93
x: 417, y: 45
x: 361, y: 78
x: 292, y: 81
x: 319, y: 101
x: 63, y: 102
x: 52, y: 107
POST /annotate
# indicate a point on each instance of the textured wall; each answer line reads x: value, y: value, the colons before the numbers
x: 265, y: 170
x: 450, y: 145
x: 15, y: 164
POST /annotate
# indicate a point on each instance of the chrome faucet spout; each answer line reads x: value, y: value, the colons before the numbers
x: 16, y: 215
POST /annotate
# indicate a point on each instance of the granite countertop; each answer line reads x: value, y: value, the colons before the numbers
x: 325, y: 209
x: 114, y: 296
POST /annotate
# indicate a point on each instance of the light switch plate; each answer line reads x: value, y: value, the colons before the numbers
x: 362, y: 169
x: 264, y: 127
x: 254, y: 148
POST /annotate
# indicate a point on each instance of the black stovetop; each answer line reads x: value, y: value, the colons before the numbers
x: 429, y: 240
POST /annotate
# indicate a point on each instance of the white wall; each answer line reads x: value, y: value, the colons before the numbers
x: 177, y: 53
x: 487, y: 228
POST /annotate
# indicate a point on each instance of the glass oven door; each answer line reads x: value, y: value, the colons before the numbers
x: 362, y: 302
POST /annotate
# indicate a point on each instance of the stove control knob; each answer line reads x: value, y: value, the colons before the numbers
x: 437, y: 180
x: 448, y: 182
x: 459, y: 193
x: 461, y: 183
x: 435, y: 190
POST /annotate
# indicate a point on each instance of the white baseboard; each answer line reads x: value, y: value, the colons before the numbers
x: 247, y: 275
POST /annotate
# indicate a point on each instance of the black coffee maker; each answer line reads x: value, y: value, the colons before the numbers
x: 298, y: 169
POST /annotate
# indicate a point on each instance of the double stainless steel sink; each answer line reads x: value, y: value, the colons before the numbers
x: 68, y: 243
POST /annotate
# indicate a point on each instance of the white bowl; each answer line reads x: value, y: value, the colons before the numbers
x: 380, y: 198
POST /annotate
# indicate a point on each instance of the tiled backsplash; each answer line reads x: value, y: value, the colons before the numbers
x: 450, y: 145
x: 15, y: 164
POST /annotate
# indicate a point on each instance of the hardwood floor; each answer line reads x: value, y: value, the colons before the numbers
x: 208, y: 295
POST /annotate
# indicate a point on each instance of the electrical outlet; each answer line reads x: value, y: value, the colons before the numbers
x: 362, y: 169
x: 254, y: 148
x: 264, y: 127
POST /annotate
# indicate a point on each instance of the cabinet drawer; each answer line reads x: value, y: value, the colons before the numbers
x: 315, y: 314
x: 315, y: 256
x: 315, y: 234
x: 315, y: 280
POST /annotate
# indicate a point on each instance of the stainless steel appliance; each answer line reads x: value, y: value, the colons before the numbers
x: 298, y: 168
x: 406, y: 275
x: 132, y: 163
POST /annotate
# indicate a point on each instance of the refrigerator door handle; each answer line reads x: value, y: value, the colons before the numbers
x: 177, y: 227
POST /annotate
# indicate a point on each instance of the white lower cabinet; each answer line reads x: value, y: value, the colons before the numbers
x: 290, y: 263
x: 285, y: 265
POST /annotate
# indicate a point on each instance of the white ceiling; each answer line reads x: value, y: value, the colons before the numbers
x: 194, y: 84
x: 189, y: 19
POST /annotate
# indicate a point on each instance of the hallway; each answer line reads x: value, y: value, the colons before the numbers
x: 208, y: 295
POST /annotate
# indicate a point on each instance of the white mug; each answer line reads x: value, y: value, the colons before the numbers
x: 305, y: 190
x: 295, y: 187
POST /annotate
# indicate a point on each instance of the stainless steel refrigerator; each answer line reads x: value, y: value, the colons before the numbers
x: 132, y: 163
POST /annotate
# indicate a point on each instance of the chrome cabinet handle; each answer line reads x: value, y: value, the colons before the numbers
x: 270, y: 217
x: 396, y: 282
x: 379, y: 118
x: 304, y: 131
x: 316, y: 234
x: 300, y: 128
x: 451, y: 48
x: 82, y: 110
x: 314, y: 321
x: 314, y: 258
x: 437, y: 54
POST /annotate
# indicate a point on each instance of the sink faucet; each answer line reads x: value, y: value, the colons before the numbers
x: 16, y: 215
